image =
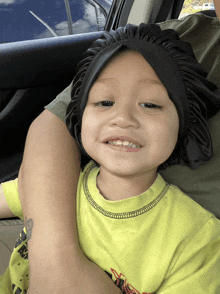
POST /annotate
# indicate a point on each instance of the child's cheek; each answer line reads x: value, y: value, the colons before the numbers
x: 89, y: 130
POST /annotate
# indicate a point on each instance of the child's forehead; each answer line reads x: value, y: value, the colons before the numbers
x: 131, y: 66
x: 116, y: 83
x: 128, y: 63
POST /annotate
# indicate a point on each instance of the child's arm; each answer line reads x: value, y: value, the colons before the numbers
x: 5, y: 211
x: 47, y: 185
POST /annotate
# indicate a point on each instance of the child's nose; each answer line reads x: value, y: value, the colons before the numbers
x: 125, y: 116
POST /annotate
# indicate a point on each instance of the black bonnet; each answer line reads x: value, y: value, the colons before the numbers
x: 196, y: 99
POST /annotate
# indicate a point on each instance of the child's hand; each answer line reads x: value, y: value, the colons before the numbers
x: 75, y: 275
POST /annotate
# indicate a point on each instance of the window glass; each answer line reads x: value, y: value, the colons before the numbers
x: 193, y: 6
x: 35, y: 19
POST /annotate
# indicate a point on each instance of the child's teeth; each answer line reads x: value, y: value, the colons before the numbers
x: 124, y: 143
x: 119, y: 142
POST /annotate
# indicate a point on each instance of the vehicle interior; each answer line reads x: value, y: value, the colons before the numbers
x: 34, y: 72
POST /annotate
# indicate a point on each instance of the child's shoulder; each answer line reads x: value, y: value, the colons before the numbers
x: 185, y: 209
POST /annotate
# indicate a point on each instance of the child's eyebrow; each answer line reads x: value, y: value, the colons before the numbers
x: 141, y: 81
x: 152, y: 81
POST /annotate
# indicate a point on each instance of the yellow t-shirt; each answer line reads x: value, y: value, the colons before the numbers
x: 16, y: 277
x: 161, y: 241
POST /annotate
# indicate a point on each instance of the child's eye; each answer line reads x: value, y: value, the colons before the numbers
x: 105, y: 103
x: 150, y: 105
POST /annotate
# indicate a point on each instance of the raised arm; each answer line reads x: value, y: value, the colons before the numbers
x: 47, y: 185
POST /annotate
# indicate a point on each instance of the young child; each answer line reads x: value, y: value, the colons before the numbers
x: 142, y: 88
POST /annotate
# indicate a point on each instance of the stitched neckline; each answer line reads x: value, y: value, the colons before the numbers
x: 121, y: 215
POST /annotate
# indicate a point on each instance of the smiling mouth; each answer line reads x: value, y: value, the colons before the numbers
x: 123, y: 148
x: 123, y: 143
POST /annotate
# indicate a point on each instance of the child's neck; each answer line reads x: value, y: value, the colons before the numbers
x: 115, y: 188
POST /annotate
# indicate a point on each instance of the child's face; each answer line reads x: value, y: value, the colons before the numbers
x: 130, y: 86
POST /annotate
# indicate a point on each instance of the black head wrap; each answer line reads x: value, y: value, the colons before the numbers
x: 196, y: 99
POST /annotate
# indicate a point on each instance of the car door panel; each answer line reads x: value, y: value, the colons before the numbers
x: 32, y: 74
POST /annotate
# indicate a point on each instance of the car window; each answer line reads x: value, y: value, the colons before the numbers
x: 193, y: 6
x: 36, y: 19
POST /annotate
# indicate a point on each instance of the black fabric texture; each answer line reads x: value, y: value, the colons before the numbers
x: 196, y: 99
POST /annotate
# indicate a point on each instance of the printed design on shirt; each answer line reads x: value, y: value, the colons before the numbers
x: 121, y: 282
x: 18, y: 290
x: 122, y: 215
x: 23, y: 251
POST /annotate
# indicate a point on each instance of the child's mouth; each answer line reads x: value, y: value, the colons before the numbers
x: 124, y: 148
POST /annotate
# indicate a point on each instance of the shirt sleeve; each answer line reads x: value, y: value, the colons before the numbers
x: 197, y: 269
x: 10, y: 189
x: 59, y: 105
